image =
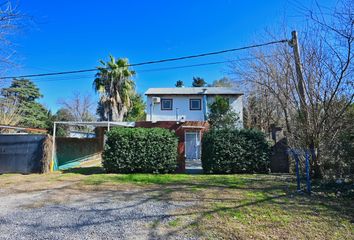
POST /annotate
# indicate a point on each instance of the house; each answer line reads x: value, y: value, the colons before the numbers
x: 188, y: 104
x: 185, y: 111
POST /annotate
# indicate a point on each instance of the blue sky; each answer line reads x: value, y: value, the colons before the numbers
x: 70, y: 35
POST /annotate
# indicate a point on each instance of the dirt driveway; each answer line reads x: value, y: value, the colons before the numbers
x: 45, y: 208
x: 86, y: 203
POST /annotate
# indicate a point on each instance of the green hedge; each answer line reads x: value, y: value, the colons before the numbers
x: 235, y: 151
x: 143, y: 150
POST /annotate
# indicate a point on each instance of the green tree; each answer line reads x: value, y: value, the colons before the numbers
x: 137, y: 110
x: 198, y: 82
x: 179, y: 83
x: 24, y: 94
x: 222, y: 82
x: 221, y: 114
x: 114, y: 84
x: 64, y: 115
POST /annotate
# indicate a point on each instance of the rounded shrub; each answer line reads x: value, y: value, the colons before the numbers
x: 235, y: 151
x: 140, y: 150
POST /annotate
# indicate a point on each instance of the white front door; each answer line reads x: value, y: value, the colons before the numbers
x: 192, y: 145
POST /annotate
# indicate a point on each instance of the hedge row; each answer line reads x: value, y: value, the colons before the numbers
x: 144, y: 150
x: 235, y: 151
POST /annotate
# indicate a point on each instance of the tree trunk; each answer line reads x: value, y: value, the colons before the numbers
x: 115, y: 111
x: 315, y: 163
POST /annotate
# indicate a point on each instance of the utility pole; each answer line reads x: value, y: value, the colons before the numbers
x: 294, y: 43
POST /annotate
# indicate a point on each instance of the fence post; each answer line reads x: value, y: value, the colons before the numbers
x: 52, y: 163
x: 307, y: 166
x: 297, y: 170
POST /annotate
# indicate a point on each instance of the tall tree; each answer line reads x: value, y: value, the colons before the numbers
x: 79, y: 106
x: 137, y: 110
x: 24, y: 94
x: 198, y: 82
x: 223, y: 82
x: 327, y: 66
x: 221, y: 114
x: 115, y: 85
x: 63, y: 114
x: 9, y: 113
x: 11, y: 19
x: 179, y: 83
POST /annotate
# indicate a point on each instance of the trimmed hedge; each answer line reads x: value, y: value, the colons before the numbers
x: 235, y: 151
x: 140, y: 150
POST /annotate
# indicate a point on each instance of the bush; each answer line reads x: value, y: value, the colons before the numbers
x: 235, y: 151
x: 143, y: 150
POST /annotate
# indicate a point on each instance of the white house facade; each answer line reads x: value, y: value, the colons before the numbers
x: 188, y: 104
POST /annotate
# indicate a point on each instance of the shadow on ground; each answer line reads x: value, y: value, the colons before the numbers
x: 85, y: 170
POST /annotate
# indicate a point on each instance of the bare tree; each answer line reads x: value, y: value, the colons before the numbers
x: 9, y: 113
x: 327, y: 63
x: 11, y: 20
x: 79, y: 106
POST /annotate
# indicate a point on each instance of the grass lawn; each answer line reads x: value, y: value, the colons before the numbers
x: 226, y: 206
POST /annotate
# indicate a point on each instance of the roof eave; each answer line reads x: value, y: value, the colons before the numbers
x: 149, y: 94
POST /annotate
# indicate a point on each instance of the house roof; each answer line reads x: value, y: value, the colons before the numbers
x: 193, y: 91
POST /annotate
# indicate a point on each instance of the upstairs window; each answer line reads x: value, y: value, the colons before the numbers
x: 166, y: 103
x: 195, y: 104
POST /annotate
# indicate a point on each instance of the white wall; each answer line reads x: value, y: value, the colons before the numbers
x: 182, y: 103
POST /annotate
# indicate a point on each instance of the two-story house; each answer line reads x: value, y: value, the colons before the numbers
x: 185, y: 111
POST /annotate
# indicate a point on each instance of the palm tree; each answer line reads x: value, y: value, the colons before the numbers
x: 198, y: 82
x: 114, y: 84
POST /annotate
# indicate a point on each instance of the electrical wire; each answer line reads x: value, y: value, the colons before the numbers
x: 90, y: 76
x: 151, y: 62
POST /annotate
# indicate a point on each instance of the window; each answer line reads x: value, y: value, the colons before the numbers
x: 195, y: 104
x: 166, y: 104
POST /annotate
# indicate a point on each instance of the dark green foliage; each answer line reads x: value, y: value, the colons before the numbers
x: 140, y: 150
x: 235, y: 151
x: 221, y: 114
x: 179, y: 83
x: 137, y: 110
x: 22, y: 90
x: 62, y: 115
x: 198, y: 82
x: 24, y: 93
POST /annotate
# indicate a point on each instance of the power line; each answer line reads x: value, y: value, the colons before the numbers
x: 151, y: 62
x: 202, y: 64
x: 88, y: 77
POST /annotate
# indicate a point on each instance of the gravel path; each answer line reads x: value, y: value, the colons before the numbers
x: 124, y: 214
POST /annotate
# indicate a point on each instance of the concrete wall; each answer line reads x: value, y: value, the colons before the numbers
x: 22, y: 153
x: 181, y: 108
x: 179, y: 129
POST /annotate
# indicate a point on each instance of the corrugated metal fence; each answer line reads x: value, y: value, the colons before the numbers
x: 22, y: 153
